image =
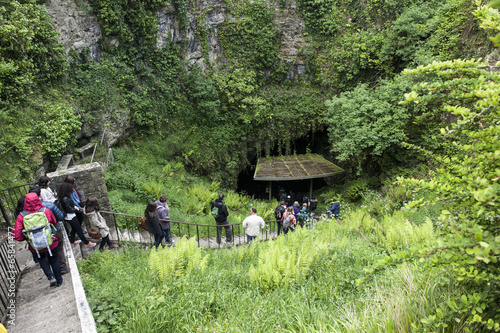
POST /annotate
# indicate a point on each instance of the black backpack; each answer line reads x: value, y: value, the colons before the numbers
x: 313, y: 204
x: 278, y: 213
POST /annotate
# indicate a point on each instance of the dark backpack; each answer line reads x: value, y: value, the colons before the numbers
x: 287, y: 221
x: 313, y: 204
x: 278, y: 213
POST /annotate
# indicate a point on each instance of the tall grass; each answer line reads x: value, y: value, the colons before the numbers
x: 307, y: 281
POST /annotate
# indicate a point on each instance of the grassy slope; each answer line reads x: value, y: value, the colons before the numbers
x: 334, y: 292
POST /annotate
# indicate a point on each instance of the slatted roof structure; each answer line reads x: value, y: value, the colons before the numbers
x: 294, y: 167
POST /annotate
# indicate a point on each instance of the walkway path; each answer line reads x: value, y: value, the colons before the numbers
x: 40, y: 308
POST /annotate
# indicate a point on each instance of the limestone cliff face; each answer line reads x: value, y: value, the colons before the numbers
x: 79, y: 28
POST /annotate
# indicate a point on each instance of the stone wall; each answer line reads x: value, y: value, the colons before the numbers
x: 89, y: 178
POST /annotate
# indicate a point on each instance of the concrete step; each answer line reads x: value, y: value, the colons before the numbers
x: 86, y: 150
x: 146, y: 237
x: 87, y: 250
x: 112, y: 234
x: 125, y: 235
x: 77, y: 252
x: 65, y: 162
x: 136, y: 236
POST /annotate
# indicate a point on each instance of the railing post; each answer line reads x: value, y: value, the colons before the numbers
x: 4, y: 213
x: 198, y: 235
x: 116, y: 229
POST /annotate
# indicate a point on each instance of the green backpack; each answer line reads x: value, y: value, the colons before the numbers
x: 37, y: 230
x: 215, y: 212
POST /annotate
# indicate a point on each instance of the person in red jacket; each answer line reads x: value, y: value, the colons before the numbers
x: 48, y: 262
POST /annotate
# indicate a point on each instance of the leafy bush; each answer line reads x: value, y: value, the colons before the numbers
x: 366, y: 122
x: 356, y: 189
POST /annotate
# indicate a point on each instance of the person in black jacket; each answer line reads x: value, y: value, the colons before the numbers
x: 221, y: 219
x: 69, y: 211
x: 153, y: 222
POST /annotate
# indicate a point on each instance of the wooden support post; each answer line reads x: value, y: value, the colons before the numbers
x: 311, y: 189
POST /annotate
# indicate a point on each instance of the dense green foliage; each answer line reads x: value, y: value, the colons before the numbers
x: 289, y: 284
x: 144, y: 170
x: 34, y: 124
x: 246, y: 102
x: 421, y: 255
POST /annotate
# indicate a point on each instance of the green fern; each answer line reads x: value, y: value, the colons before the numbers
x: 153, y: 188
x: 287, y: 260
x: 182, y: 259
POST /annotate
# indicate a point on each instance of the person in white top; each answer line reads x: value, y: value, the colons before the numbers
x: 46, y: 193
x: 253, y: 224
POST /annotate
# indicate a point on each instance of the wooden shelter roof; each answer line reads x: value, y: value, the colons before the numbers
x: 294, y: 167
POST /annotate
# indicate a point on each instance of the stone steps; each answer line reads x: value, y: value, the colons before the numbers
x: 146, y: 239
x: 65, y: 162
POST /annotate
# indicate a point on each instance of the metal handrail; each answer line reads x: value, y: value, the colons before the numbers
x: 8, y: 200
x: 188, y: 225
x: 10, y: 274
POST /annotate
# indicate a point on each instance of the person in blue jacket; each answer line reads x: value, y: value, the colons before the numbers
x: 334, y: 208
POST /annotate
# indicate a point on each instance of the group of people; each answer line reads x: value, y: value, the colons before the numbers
x: 69, y: 206
x: 290, y: 198
x: 287, y: 217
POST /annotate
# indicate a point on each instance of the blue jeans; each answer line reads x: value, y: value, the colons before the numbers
x: 158, y: 239
x: 229, y: 236
x: 278, y: 223
x: 250, y: 238
x: 166, y: 235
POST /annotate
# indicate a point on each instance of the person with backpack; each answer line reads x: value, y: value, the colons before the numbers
x: 253, y: 224
x: 77, y: 197
x: 97, y: 222
x: 278, y: 214
x: 288, y: 220
x: 303, y: 216
x: 313, y: 204
x: 70, y: 211
x: 36, y: 224
x: 162, y: 211
x: 220, y: 213
x: 59, y: 217
x: 296, y: 209
x: 153, y: 222
x: 334, y: 208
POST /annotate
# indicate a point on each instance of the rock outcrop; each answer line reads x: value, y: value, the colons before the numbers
x: 79, y: 29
